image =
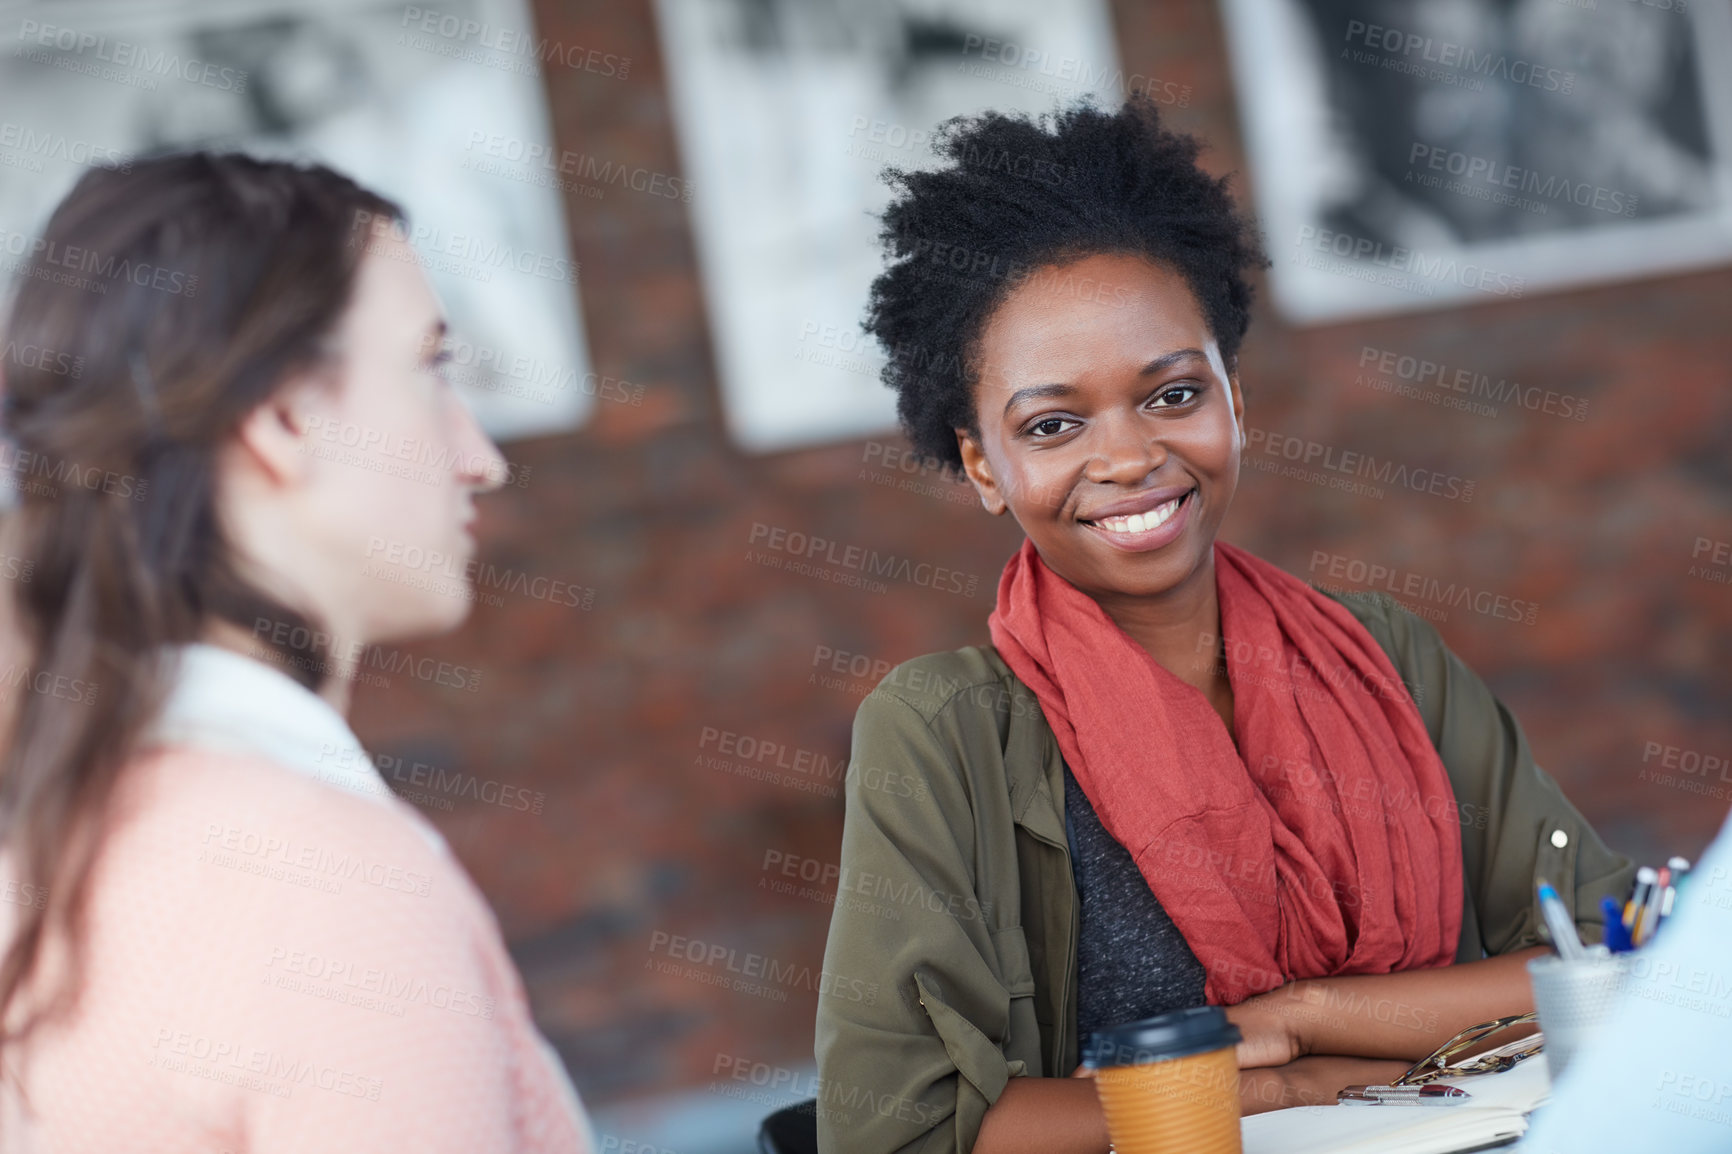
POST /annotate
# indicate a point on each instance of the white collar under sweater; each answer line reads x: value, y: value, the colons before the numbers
x: 226, y: 701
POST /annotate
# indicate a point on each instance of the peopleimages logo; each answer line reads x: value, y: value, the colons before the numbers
x: 861, y: 560
x: 498, y: 370
x: 1350, y: 463
x: 236, y: 1063
x: 889, y: 890
x: 42, y: 359
x: 785, y: 976
x: 1502, y: 175
x: 56, y: 146
x: 385, y: 555
x: 39, y: 473
x: 1070, y: 70
x: 1400, y: 261
x: 356, y: 658
x: 1421, y: 587
x: 387, y: 451
x: 1439, y: 376
x: 1718, y: 566
x: 105, y: 268
x: 1449, y: 54
x: 512, y: 41
x: 126, y: 54
x: 482, y: 255
x: 578, y: 164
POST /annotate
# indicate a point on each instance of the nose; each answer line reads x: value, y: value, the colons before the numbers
x: 480, y: 464
x: 1122, y: 451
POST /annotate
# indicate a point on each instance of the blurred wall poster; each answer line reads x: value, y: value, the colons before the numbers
x: 439, y: 108
x: 1410, y: 155
x: 787, y: 111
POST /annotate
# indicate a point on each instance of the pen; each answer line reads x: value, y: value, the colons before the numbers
x: 1650, y: 915
x: 1638, y: 898
x: 1679, y: 867
x: 1617, y: 938
x: 1565, y: 939
x: 1430, y: 1094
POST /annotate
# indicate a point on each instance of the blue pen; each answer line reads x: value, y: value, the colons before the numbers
x: 1617, y: 937
x: 1557, y: 918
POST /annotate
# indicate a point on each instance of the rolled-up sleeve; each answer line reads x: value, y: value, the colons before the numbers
x: 916, y: 1068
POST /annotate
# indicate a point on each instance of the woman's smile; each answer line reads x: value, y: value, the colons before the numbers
x: 1140, y: 524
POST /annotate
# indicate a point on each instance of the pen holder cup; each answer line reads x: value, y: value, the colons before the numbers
x: 1169, y: 1084
x: 1573, y: 998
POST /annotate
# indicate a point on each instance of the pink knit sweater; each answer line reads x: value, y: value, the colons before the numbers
x: 278, y: 965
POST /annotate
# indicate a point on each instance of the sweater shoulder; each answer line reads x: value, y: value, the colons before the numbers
x: 214, y: 790
x: 204, y: 839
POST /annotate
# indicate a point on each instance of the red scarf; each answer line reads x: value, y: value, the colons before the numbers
x: 1326, y: 842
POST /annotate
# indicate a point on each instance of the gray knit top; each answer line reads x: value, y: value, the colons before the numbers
x: 1132, y: 960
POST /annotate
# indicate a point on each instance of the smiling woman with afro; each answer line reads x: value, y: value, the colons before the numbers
x: 1180, y: 779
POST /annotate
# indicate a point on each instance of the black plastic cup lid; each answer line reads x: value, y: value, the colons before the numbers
x: 1176, y: 1035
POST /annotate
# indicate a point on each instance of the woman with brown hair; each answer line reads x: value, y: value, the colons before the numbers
x: 222, y: 931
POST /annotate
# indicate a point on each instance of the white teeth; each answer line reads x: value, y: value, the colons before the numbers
x: 1141, y: 522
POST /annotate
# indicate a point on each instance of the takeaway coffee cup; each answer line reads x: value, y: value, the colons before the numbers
x: 1169, y: 1084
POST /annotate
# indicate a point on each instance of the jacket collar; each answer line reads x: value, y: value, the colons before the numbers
x: 225, y: 701
x: 1033, y: 764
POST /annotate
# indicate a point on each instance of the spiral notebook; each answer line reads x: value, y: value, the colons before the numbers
x: 1496, y: 1115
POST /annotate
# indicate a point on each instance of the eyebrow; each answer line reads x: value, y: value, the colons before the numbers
x: 1035, y: 392
x: 1159, y: 364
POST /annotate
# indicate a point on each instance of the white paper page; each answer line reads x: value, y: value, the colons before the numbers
x: 1497, y: 1110
x: 1524, y: 1088
x: 1379, y: 1129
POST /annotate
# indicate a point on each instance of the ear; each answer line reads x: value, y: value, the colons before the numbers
x: 975, y: 466
x: 277, y: 436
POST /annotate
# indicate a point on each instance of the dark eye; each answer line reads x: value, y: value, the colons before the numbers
x: 440, y: 363
x: 1048, y: 427
x: 1170, y: 398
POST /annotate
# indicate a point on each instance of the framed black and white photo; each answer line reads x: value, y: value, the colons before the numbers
x: 435, y: 106
x: 787, y: 110
x: 1412, y: 155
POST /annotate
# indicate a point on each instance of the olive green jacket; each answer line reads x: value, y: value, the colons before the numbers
x: 957, y: 911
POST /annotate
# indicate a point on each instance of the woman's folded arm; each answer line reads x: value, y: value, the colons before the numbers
x: 911, y: 1030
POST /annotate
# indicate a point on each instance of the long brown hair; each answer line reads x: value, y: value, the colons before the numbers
x: 163, y: 302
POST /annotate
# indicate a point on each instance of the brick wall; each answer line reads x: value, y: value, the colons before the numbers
x: 608, y: 712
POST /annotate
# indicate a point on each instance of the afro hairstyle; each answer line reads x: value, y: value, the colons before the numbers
x: 1019, y: 195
